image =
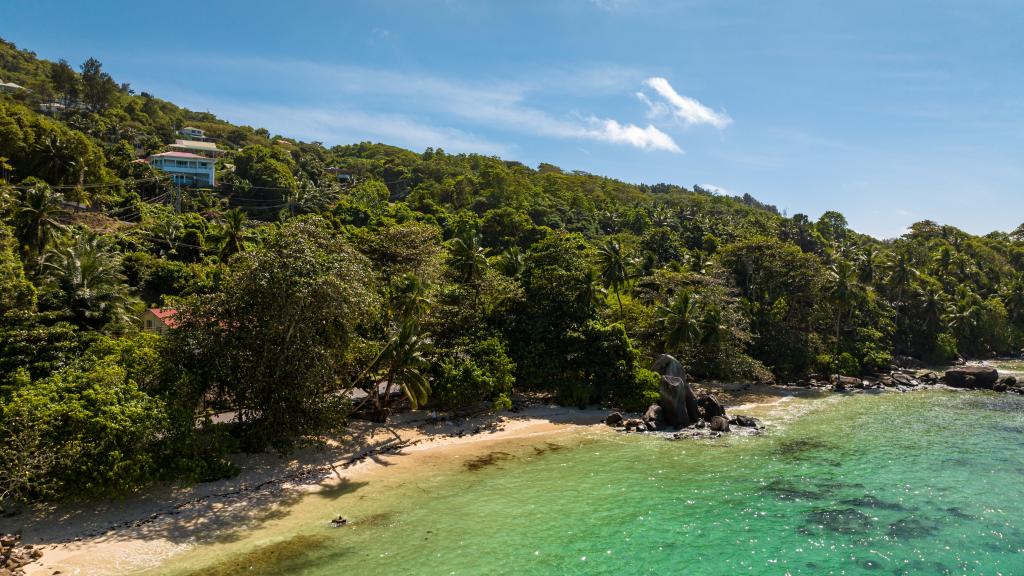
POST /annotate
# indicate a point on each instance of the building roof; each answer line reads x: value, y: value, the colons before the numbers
x: 178, y: 155
x: 166, y: 315
x: 12, y: 85
x: 192, y: 128
x: 196, y: 145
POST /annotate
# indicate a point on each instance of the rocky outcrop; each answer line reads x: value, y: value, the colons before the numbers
x: 678, y: 402
x: 614, y: 419
x: 841, y: 383
x: 972, y: 377
x: 710, y: 406
x: 667, y: 365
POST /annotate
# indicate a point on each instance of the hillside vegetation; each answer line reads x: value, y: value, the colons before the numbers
x: 457, y: 279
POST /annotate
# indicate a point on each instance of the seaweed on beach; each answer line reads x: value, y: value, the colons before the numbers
x: 486, y: 460
x: 377, y: 520
x: 548, y: 447
x: 287, y: 556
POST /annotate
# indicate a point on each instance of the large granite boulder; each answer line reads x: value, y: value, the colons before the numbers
x: 678, y: 402
x: 667, y: 365
x: 972, y: 377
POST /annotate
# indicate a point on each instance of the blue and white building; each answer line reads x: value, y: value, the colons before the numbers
x: 185, y: 168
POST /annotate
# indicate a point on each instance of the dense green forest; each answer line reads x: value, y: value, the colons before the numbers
x: 457, y: 279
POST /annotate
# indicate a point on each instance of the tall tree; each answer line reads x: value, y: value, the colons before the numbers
x: 468, y: 258
x: 85, y: 276
x: 613, y: 269
x: 233, y: 234
x: 65, y: 81
x: 98, y: 88
x: 680, y: 321
x: 37, y: 215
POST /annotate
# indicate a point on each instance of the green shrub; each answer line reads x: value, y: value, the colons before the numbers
x: 88, y: 429
x: 846, y: 365
x: 639, y: 393
x: 476, y: 372
x: 945, y: 348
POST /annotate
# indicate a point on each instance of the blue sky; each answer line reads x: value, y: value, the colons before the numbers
x: 890, y: 112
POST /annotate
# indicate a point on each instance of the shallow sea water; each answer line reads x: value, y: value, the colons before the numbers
x: 919, y: 483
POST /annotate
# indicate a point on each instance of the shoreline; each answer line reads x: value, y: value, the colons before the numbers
x: 146, y: 530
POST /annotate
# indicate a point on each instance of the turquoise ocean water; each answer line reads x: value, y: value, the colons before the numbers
x: 919, y: 483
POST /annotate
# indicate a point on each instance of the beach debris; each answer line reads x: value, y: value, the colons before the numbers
x: 14, y: 556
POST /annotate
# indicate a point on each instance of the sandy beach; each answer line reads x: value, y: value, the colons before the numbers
x: 151, y: 528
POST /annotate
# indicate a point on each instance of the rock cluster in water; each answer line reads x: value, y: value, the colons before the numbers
x: 679, y: 407
x: 14, y: 556
x: 971, y: 377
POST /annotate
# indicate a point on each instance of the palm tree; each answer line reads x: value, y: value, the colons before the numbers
x: 681, y: 321
x: 935, y: 306
x: 166, y: 233
x: 85, y: 275
x: 844, y: 292
x: 52, y: 160
x: 37, y: 218
x: 233, y: 231
x: 901, y: 275
x: 613, y: 270
x: 1013, y: 296
x: 511, y: 262
x: 409, y: 298
x: 404, y: 362
x: 712, y: 329
x: 591, y: 289
x: 867, y: 265
x: 468, y: 257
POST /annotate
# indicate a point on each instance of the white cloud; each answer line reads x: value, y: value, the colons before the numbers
x: 649, y: 138
x: 337, y: 126
x: 611, y: 5
x: 684, y: 108
x: 346, y: 103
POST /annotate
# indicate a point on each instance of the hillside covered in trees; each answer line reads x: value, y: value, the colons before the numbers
x: 309, y: 271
